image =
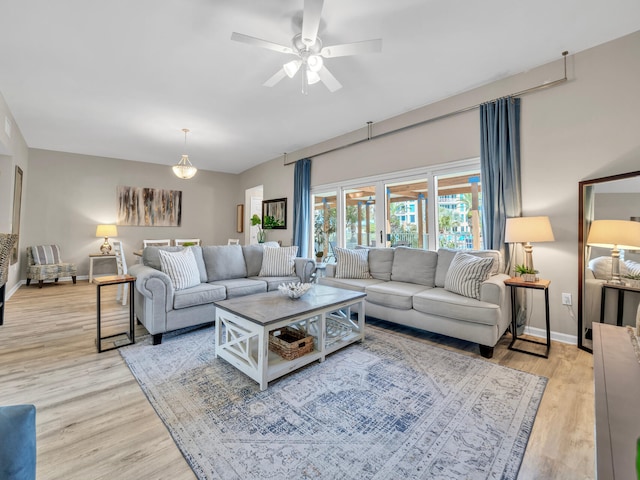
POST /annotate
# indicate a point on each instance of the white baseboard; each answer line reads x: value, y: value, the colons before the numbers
x: 558, y: 337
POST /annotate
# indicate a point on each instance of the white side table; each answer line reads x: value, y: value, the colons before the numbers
x: 93, y: 256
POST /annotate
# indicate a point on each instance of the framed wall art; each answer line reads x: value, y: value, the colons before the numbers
x: 240, y: 218
x: 274, y: 214
x: 17, y: 205
x: 149, y: 207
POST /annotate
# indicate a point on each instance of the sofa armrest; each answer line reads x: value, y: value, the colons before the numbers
x: 153, y: 284
x: 493, y: 290
x: 304, y: 269
x: 330, y: 270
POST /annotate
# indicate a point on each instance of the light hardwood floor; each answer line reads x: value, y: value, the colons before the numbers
x: 94, y: 422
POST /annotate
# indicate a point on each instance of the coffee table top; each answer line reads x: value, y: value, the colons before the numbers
x: 271, y: 307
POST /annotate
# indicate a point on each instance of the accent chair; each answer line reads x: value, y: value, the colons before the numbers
x: 45, y: 263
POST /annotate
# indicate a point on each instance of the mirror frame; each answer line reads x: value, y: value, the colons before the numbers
x: 582, y: 244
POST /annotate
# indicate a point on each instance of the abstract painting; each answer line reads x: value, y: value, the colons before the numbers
x: 149, y: 207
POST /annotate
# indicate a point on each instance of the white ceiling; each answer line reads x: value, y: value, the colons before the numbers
x: 121, y: 78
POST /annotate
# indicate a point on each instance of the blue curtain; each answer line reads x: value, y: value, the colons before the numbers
x: 302, y: 206
x: 500, y: 169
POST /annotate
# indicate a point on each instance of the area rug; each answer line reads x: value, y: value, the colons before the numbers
x: 389, y: 407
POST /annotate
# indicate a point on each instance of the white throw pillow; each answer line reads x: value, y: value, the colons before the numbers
x: 466, y: 273
x: 278, y: 262
x: 181, y: 267
x: 601, y: 268
x: 352, y: 263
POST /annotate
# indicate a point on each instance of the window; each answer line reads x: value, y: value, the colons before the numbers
x: 425, y: 209
x: 325, y: 222
x: 459, y: 205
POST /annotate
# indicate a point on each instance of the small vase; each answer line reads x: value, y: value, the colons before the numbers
x: 261, y: 236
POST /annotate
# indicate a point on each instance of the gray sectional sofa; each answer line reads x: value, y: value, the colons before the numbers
x: 226, y: 271
x: 407, y: 286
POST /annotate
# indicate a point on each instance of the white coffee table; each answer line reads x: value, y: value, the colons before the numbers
x: 243, y: 325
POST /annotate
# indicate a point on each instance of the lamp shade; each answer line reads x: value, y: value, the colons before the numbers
x: 609, y: 233
x: 106, y: 231
x: 528, y: 230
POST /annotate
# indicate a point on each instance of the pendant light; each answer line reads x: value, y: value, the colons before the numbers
x: 184, y: 169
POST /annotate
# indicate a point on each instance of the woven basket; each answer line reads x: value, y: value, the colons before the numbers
x: 7, y: 241
x: 290, y: 343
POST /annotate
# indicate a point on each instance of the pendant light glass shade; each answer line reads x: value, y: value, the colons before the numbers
x: 184, y: 169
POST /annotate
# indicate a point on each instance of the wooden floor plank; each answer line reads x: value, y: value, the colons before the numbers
x: 93, y: 421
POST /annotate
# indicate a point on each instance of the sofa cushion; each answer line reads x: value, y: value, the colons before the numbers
x: 201, y: 294
x: 445, y: 256
x: 238, y: 287
x: 381, y: 263
x: 274, y: 282
x: 181, y: 267
x: 358, y: 284
x: 224, y: 262
x: 253, y: 259
x: 413, y: 265
x: 278, y: 262
x: 438, y: 301
x: 466, y: 274
x: 394, y: 294
x: 352, y: 263
x: 46, y: 254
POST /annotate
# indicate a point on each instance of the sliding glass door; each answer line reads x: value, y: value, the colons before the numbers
x: 429, y: 210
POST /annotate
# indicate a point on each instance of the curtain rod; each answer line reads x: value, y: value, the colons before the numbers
x: 370, y: 136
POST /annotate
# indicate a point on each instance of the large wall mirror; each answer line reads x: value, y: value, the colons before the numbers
x: 609, y: 198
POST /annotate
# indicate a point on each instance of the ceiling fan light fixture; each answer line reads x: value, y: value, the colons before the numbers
x: 184, y: 169
x: 315, y: 63
x: 292, y: 67
x: 312, y: 77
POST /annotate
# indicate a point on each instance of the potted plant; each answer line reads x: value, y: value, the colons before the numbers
x: 527, y: 274
x: 319, y: 255
x: 632, y: 280
x: 256, y: 221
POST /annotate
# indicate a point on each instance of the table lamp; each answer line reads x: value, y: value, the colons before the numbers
x: 616, y: 235
x: 526, y: 230
x: 106, y: 231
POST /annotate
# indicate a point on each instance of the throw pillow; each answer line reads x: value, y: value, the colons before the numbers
x: 352, y: 263
x: 466, y: 274
x: 46, y: 254
x: 181, y: 267
x: 279, y: 262
x: 601, y: 267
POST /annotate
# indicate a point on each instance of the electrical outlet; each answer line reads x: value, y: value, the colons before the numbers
x: 566, y: 299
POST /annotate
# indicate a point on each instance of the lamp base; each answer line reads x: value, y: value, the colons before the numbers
x: 105, y: 248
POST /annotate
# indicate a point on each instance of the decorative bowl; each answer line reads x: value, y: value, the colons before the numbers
x: 294, y: 290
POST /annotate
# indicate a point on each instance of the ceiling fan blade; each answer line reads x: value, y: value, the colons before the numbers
x: 346, y: 49
x: 279, y: 75
x: 329, y: 80
x: 311, y: 21
x: 258, y: 42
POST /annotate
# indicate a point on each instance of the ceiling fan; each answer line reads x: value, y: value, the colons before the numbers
x: 308, y: 49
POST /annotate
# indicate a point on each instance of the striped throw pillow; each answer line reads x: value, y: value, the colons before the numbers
x: 352, y: 263
x: 181, y: 267
x: 466, y: 273
x: 46, y: 254
x: 279, y: 262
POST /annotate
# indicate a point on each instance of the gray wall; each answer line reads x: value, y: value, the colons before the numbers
x: 583, y: 129
x: 71, y: 194
x: 13, y: 152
